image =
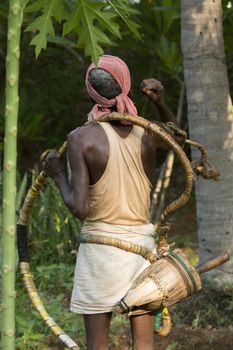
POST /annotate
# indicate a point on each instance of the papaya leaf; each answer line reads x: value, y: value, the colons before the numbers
x: 106, y: 18
x: 44, y: 23
x: 24, y: 3
x: 36, y: 6
x: 83, y: 22
x: 124, y: 11
x: 61, y: 41
x: 92, y: 21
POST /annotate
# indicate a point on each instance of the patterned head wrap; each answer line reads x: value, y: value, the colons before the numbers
x: 120, y: 72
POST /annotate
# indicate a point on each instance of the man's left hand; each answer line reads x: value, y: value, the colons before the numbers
x: 153, y: 88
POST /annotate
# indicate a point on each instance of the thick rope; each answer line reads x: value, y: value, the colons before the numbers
x: 203, y: 167
x: 119, y: 243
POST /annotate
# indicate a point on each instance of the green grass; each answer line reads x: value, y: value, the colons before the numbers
x: 173, y: 346
x: 31, y: 330
x: 213, y: 305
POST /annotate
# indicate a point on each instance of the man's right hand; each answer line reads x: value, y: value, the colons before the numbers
x: 153, y: 88
x: 54, y: 165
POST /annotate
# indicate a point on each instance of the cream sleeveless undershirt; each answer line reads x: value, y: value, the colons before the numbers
x: 122, y: 195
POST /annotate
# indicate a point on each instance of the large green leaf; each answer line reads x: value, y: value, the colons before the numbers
x: 125, y: 11
x: 61, y: 41
x: 44, y: 24
x: 92, y: 21
x: 90, y: 36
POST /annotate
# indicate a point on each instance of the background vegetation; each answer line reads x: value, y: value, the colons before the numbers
x: 53, y: 102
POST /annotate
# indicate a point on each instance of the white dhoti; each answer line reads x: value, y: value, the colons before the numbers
x: 104, y: 274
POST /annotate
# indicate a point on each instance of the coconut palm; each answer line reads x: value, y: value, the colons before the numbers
x: 210, y: 122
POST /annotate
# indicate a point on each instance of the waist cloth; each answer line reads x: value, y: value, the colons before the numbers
x: 104, y: 274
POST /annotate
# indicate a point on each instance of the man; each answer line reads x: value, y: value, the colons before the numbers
x: 111, y: 170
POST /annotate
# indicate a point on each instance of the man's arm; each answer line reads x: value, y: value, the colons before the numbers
x: 154, y: 90
x: 75, y: 193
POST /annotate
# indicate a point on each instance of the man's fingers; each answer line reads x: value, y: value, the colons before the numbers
x: 47, y: 156
x: 152, y: 91
x: 147, y: 92
x: 150, y: 81
x: 52, y: 154
x: 44, y: 155
x: 155, y: 87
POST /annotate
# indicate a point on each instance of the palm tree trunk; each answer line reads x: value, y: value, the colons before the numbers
x: 9, y: 176
x: 211, y: 123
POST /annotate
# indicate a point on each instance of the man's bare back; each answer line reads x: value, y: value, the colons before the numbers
x: 95, y: 146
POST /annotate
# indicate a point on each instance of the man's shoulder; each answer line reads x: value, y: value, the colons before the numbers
x: 85, y: 134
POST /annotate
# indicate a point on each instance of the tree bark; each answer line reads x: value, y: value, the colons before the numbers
x: 9, y: 176
x: 211, y: 123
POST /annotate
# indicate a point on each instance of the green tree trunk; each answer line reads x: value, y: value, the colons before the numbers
x: 9, y: 175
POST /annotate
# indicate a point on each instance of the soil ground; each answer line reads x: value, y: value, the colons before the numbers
x: 180, y: 338
x: 185, y: 338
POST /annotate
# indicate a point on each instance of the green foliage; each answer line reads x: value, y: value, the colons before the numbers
x: 49, y: 95
x: 170, y: 56
x: 187, y: 244
x: 174, y: 345
x: 53, y: 101
x: 125, y: 12
x: 52, y: 241
x: 52, y: 89
x: 56, y: 276
x: 166, y: 14
x: 88, y: 19
x: 31, y: 331
x: 83, y: 21
x: 161, y: 33
x: 211, y: 306
x: 44, y: 24
x: 52, y: 229
x: 158, y: 56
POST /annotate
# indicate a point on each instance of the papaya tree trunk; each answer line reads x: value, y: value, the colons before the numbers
x: 210, y: 122
x: 9, y: 175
